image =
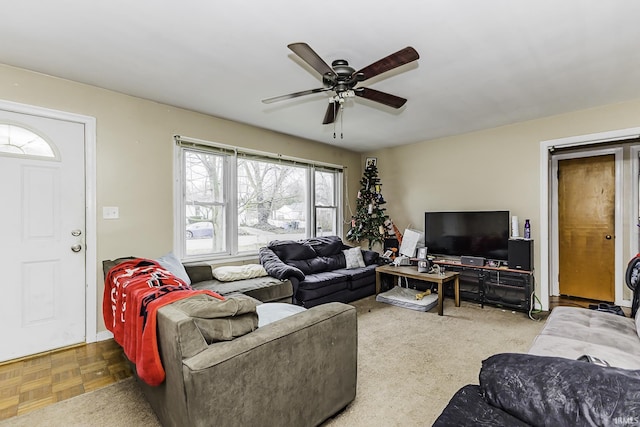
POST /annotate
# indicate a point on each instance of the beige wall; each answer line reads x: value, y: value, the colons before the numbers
x: 493, y: 169
x: 134, y: 152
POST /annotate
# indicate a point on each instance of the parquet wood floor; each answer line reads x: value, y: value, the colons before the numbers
x: 41, y: 380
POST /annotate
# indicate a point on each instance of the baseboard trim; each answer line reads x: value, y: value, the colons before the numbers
x: 104, y: 335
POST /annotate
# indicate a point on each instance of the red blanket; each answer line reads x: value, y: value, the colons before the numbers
x: 133, y: 292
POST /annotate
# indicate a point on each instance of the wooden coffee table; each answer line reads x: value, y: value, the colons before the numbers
x: 411, y: 272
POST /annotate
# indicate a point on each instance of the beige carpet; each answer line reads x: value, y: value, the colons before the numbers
x: 410, y: 363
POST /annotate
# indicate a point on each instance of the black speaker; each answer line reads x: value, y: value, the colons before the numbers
x: 477, y: 261
x: 520, y: 254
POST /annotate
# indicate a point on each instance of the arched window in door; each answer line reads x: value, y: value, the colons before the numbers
x: 18, y: 141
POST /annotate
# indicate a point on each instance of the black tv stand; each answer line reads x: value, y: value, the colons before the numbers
x: 497, y: 286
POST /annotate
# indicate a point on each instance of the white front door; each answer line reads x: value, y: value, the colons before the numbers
x: 42, y: 230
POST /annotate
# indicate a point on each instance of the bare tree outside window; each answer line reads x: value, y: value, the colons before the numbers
x: 271, y: 203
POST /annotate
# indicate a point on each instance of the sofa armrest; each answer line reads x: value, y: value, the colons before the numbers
x: 296, y: 371
x: 276, y: 268
x: 560, y: 391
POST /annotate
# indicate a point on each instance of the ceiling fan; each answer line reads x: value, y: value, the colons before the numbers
x: 342, y: 79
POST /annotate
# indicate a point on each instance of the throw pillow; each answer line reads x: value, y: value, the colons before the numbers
x: 232, y: 273
x: 221, y: 320
x: 172, y: 263
x: 354, y: 258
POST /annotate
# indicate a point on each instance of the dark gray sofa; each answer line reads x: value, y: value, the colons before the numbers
x: 529, y: 390
x: 317, y: 269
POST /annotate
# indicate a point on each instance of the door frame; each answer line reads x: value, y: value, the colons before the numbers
x: 91, y: 297
x: 618, y: 217
x: 546, y: 189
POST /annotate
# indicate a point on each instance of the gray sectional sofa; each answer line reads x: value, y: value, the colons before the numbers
x: 550, y: 386
x: 298, y: 368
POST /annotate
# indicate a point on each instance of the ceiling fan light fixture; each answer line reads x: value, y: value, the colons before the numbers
x: 341, y: 78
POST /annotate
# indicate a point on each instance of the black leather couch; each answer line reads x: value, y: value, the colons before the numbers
x: 317, y: 269
x: 528, y: 390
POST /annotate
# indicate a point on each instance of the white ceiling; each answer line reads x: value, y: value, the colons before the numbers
x: 482, y: 63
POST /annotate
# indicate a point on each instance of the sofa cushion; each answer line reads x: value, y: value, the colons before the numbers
x: 359, y: 277
x: 319, y: 264
x: 337, y: 291
x: 288, y: 250
x: 595, y: 327
x: 221, y: 320
x: 230, y: 273
x: 265, y: 289
x: 326, y: 245
x: 560, y: 391
x: 353, y: 258
x: 549, y: 345
x: 307, y: 266
x: 320, y: 280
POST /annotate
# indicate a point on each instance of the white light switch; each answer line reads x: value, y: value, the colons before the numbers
x: 110, y: 212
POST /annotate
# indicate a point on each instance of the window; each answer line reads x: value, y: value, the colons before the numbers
x: 18, y: 141
x: 232, y: 201
x: 204, y: 202
x: 272, y: 202
x: 326, y: 205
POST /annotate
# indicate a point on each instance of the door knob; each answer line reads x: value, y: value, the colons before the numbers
x: 608, y: 237
x: 76, y: 233
x: 76, y: 248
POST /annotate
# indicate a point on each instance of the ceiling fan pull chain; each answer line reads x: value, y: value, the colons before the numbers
x: 341, y: 116
x: 334, y: 122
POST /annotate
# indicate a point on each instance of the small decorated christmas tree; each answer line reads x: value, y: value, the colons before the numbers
x: 368, y: 223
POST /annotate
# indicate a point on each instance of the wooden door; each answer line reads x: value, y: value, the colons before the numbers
x: 586, y: 219
x: 42, y: 223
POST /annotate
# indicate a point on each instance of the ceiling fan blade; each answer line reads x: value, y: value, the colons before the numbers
x: 331, y: 113
x: 295, y: 95
x: 401, y: 57
x: 381, y: 97
x: 309, y: 56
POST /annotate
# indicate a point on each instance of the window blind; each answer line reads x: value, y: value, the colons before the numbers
x: 253, y: 154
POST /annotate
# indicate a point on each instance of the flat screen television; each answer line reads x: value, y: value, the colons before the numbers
x: 467, y: 233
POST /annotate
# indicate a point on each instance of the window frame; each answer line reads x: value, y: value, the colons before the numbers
x: 230, y: 183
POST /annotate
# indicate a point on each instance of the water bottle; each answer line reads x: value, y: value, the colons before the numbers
x: 527, y: 229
